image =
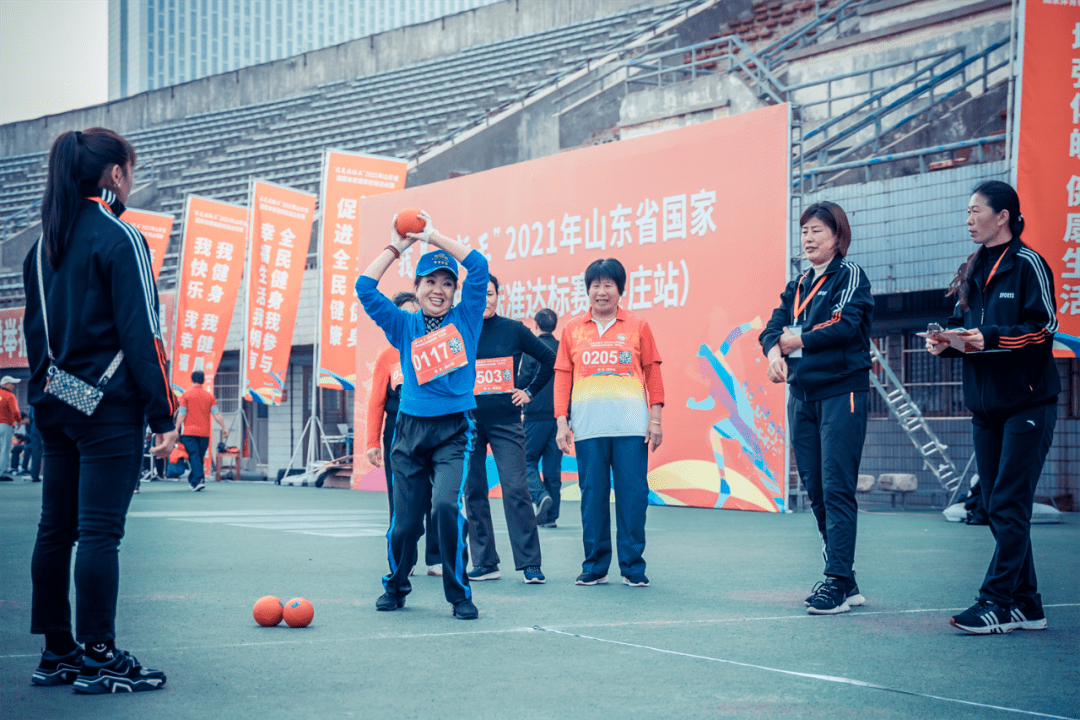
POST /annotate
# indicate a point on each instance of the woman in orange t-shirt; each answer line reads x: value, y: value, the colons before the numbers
x: 608, y: 371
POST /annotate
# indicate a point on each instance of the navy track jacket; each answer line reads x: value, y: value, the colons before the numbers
x: 835, y: 332
x: 1014, y: 313
x: 102, y: 298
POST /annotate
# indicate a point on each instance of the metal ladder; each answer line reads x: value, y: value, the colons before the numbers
x: 904, y: 410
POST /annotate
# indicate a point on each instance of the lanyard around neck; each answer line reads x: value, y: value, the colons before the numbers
x: 994, y: 270
x: 102, y: 203
x: 799, y: 307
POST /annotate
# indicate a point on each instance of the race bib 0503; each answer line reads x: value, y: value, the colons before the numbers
x: 494, y: 375
x: 438, y: 353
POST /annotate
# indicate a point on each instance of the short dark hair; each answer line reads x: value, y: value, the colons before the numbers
x: 494, y: 281
x: 404, y: 297
x: 546, y: 320
x: 606, y: 269
x: 835, y: 218
x: 197, y: 377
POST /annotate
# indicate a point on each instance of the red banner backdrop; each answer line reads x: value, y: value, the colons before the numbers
x: 347, y: 177
x: 697, y: 216
x: 208, y: 280
x: 13, y: 341
x: 1048, y: 160
x: 156, y: 228
x: 279, y: 232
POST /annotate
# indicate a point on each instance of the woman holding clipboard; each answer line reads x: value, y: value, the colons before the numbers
x: 1005, y: 296
x: 818, y: 340
x: 435, y: 429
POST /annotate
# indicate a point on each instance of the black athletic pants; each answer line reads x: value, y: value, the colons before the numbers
x: 430, y: 456
x: 1010, y: 451
x: 828, y: 436
x: 431, y: 549
x: 508, y: 447
x: 543, y: 457
x: 90, y: 475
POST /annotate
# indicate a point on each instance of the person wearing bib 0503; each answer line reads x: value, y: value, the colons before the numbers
x: 607, y: 372
x: 818, y: 340
x: 1005, y: 297
x: 435, y: 428
x: 499, y: 397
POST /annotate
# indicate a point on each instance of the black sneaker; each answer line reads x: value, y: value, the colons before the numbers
x: 465, y: 610
x: 829, y: 598
x: 636, y: 580
x: 1027, y: 616
x: 587, y: 578
x: 120, y: 672
x: 58, y: 669
x: 388, y: 601
x: 853, y: 596
x: 984, y: 618
x: 533, y: 576
x: 485, y: 572
x: 197, y: 488
x: 543, y: 506
x: 549, y: 524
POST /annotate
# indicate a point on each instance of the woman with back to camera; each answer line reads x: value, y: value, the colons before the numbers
x: 818, y: 340
x: 607, y: 377
x: 99, y: 323
x: 1005, y: 299
x: 435, y: 429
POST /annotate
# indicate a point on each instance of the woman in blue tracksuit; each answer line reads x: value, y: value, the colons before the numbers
x: 435, y: 428
x: 1005, y: 299
x: 818, y: 340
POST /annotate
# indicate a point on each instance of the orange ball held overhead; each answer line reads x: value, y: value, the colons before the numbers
x: 408, y: 221
x: 298, y: 612
x: 267, y: 611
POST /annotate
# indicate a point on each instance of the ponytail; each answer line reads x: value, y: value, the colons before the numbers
x: 78, y: 162
x: 999, y: 196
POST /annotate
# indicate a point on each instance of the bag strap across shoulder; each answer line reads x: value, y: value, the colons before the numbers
x: 113, y: 366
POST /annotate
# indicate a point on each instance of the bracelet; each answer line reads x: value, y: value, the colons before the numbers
x: 654, y: 422
x: 397, y: 253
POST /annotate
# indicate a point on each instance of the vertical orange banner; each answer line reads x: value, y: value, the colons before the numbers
x: 167, y: 319
x: 1048, y: 159
x: 156, y: 228
x: 279, y: 222
x: 347, y: 177
x: 13, y: 341
x: 208, y: 281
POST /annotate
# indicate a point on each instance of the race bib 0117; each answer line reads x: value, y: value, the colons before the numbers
x: 438, y: 353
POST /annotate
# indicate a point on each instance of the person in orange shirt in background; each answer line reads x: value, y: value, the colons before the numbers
x: 383, y: 403
x: 9, y: 418
x: 197, y: 406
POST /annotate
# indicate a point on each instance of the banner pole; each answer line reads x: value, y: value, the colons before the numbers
x: 179, y: 275
x: 316, y: 348
x: 245, y: 288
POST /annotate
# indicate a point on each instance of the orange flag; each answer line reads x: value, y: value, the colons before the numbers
x: 347, y: 177
x: 208, y: 281
x: 279, y: 232
x: 155, y: 227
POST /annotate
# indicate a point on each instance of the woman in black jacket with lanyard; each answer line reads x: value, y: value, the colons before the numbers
x: 818, y: 340
x: 499, y: 397
x: 1005, y: 300
x: 99, y: 324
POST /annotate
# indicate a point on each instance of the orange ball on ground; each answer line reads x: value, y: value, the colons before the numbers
x: 298, y: 612
x: 408, y: 221
x: 267, y: 611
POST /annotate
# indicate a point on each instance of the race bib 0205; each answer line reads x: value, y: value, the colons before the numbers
x: 494, y: 375
x: 438, y: 353
x: 606, y: 357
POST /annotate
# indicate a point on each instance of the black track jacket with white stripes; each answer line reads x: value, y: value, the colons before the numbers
x: 1016, y: 313
x: 102, y: 298
x: 835, y: 332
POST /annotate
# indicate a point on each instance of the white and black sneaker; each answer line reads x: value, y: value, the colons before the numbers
x: 197, y: 488
x: 120, y: 672
x: 829, y: 598
x: 58, y: 669
x: 1027, y: 616
x: 852, y: 595
x: 985, y: 617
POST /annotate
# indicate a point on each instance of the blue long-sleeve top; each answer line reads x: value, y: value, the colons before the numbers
x: 449, y: 393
